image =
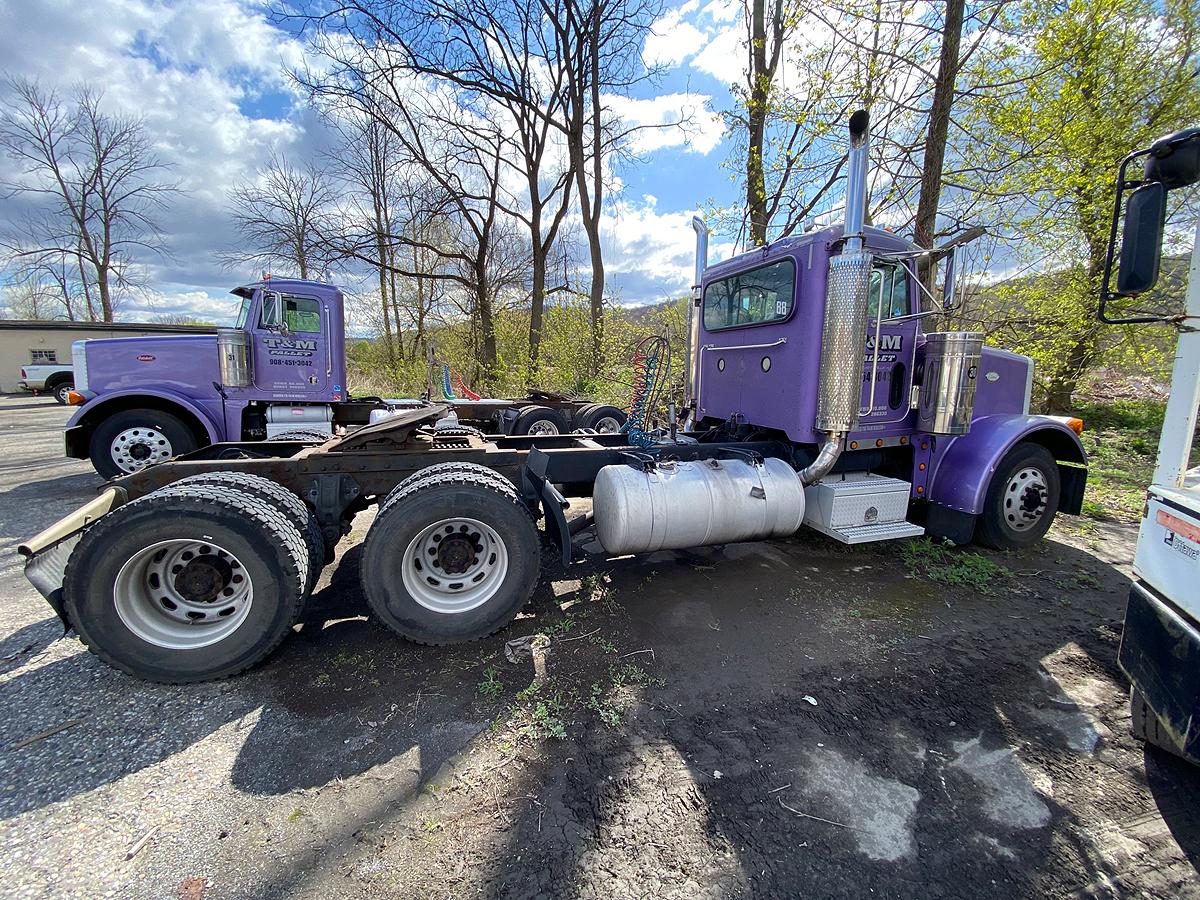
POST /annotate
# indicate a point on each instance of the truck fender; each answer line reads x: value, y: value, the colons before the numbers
x: 962, y: 470
x: 79, y: 426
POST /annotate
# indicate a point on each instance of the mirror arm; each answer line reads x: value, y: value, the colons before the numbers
x: 1106, y: 292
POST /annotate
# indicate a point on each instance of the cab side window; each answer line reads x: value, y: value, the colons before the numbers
x: 889, y: 290
x: 765, y: 294
x: 300, y: 314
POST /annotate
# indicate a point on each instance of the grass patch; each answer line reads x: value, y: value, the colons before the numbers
x: 491, y: 686
x: 1121, y: 440
x: 946, y: 565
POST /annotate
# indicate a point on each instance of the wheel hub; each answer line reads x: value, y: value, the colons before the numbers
x: 135, y: 448
x: 454, y: 565
x: 203, y: 578
x: 1025, y: 499
x: 182, y: 594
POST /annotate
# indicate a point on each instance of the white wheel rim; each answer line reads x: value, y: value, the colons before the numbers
x: 136, y: 448
x: 455, y: 565
x: 63, y: 391
x: 183, y: 594
x: 543, y: 426
x: 608, y: 425
x: 1025, y: 499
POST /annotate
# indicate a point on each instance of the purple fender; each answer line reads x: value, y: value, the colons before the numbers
x: 963, y: 466
x: 79, y: 426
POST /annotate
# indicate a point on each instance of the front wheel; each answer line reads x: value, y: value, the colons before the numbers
x: 1021, y: 499
x: 62, y: 390
x: 135, y: 438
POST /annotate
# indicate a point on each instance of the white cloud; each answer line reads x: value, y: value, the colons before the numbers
x: 670, y: 120
x: 650, y: 254
x: 724, y: 57
x: 673, y: 39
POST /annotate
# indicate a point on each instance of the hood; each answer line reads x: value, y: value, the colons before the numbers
x: 182, y: 362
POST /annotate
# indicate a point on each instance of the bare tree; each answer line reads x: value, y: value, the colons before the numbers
x: 94, y: 184
x: 280, y: 215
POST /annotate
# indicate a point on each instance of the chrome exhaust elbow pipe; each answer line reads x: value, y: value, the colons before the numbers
x: 701, y: 230
x: 826, y: 457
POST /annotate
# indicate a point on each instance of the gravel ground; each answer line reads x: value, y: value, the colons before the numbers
x: 783, y: 718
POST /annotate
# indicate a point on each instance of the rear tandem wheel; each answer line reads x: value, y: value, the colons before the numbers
x: 452, y: 558
x: 187, y: 584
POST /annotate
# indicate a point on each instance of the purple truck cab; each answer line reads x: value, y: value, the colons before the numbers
x: 759, y: 352
x: 148, y: 399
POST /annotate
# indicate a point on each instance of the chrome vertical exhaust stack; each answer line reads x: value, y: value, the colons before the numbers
x: 844, y: 330
x: 693, y: 330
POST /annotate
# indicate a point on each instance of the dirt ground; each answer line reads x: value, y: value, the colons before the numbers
x: 788, y: 718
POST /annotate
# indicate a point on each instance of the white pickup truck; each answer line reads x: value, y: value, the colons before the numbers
x: 54, y: 378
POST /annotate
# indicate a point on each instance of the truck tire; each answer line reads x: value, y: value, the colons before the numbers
x: 276, y: 495
x: 447, y: 468
x: 1145, y: 725
x: 540, y: 420
x: 60, y: 390
x: 602, y: 418
x: 451, y: 560
x: 239, y: 569
x: 1021, y: 499
x: 134, y: 438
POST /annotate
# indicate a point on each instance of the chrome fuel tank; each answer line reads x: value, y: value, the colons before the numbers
x: 689, y: 504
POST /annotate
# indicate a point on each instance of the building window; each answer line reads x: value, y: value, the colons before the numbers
x: 41, y: 357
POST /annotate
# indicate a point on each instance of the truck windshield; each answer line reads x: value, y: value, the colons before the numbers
x: 760, y: 295
x: 243, y: 313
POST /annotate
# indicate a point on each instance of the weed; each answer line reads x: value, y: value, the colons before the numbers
x: 563, y: 626
x: 941, y: 563
x: 322, y: 680
x: 609, y: 714
x: 594, y: 588
x: 491, y: 686
x: 603, y: 643
x: 546, y: 721
x: 431, y: 826
x: 294, y: 815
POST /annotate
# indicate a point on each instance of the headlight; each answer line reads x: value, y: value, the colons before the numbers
x: 79, y: 364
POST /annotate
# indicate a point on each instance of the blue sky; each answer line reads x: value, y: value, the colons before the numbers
x: 208, y: 79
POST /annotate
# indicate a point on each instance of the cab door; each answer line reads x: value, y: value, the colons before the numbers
x: 291, y: 347
x: 892, y: 296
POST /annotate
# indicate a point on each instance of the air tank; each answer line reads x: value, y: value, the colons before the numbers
x: 675, y: 505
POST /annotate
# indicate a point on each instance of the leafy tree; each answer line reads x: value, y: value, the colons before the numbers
x: 1091, y: 80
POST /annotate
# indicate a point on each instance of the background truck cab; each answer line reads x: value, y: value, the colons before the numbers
x: 279, y: 371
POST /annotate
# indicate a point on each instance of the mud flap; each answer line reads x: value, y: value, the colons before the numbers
x: 1160, y: 652
x: 45, y: 572
x: 536, y: 489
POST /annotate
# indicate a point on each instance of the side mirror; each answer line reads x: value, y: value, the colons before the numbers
x: 951, y: 283
x: 272, y: 310
x: 1141, y: 241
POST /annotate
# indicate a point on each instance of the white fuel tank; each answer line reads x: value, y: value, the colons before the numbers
x: 690, y: 504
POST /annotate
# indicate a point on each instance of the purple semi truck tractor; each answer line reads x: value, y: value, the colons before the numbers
x: 815, y: 399
x: 278, y: 374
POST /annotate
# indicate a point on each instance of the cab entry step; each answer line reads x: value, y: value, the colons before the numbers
x: 856, y: 508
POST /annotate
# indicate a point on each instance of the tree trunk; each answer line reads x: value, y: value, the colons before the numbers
x: 382, y: 248
x: 537, y: 302
x: 925, y: 231
x: 106, y: 307
x: 756, y: 121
